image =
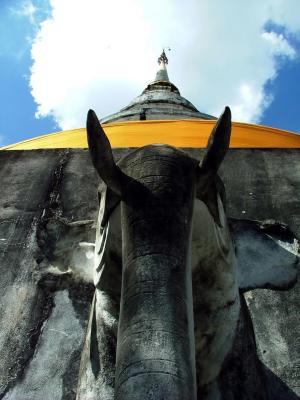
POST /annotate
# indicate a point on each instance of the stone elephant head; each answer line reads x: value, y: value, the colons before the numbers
x: 167, y: 272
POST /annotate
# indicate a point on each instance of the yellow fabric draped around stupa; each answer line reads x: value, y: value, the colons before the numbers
x: 179, y: 133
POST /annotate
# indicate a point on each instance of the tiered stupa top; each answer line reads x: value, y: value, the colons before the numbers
x: 160, y: 100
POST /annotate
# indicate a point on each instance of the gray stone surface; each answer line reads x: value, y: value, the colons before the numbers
x: 43, y: 191
x: 58, y: 346
x: 265, y: 184
x: 34, y: 190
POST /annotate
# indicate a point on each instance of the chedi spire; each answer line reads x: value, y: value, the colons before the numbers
x: 162, y: 73
x: 159, y: 100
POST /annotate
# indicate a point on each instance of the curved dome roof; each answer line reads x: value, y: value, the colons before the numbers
x: 160, y: 100
x: 179, y: 133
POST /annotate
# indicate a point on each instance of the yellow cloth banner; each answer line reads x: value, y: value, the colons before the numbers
x: 179, y: 133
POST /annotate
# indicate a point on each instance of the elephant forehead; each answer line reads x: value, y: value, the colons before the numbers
x: 159, y: 161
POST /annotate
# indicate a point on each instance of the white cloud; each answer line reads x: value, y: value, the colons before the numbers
x: 99, y: 54
x: 279, y: 45
x: 250, y: 103
x: 27, y: 9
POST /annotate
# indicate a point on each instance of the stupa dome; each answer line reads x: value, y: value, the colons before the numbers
x: 161, y: 115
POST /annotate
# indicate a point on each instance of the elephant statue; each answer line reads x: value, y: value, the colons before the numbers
x: 169, y: 271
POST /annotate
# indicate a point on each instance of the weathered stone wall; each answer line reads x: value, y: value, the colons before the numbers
x: 43, y: 312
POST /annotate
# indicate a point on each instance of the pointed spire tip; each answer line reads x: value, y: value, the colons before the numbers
x: 163, y: 58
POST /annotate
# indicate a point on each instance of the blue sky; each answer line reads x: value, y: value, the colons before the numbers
x: 18, y: 108
x: 58, y: 58
x: 284, y: 111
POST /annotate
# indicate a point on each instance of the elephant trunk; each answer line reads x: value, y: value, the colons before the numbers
x: 155, y: 350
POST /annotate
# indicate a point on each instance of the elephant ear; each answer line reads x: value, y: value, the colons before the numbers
x: 208, y: 181
x: 101, y: 154
x: 267, y: 254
